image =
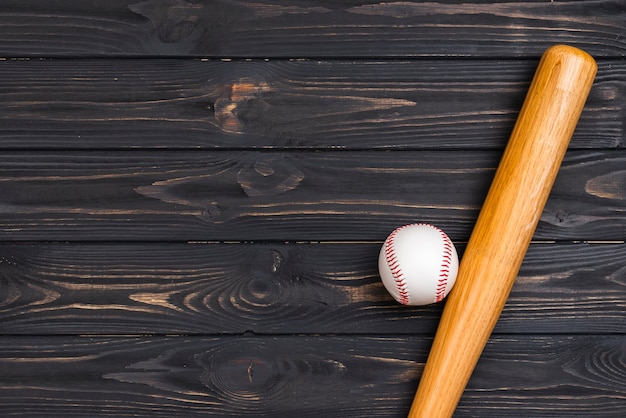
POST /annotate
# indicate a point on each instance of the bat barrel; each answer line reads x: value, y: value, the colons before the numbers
x: 505, y: 226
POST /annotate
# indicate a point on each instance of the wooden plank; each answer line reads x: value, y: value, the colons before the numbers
x: 296, y: 196
x: 280, y: 288
x: 306, y: 376
x: 286, y: 28
x: 424, y: 104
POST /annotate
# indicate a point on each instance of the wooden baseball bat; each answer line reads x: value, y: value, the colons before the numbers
x: 505, y: 226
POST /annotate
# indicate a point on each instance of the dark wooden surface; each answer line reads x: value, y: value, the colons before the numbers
x: 194, y: 194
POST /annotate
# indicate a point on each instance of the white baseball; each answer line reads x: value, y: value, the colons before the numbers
x: 418, y: 264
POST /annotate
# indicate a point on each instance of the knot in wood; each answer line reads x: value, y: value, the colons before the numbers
x: 173, y: 20
x: 240, y: 103
x: 269, y: 176
x: 242, y: 378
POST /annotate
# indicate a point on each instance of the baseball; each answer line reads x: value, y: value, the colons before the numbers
x: 418, y: 264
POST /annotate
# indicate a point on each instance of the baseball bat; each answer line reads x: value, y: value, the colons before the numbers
x: 505, y: 226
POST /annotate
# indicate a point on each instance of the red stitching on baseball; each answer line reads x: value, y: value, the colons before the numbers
x: 396, y: 271
x: 444, y: 271
x: 394, y: 266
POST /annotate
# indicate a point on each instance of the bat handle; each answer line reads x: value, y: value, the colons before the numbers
x: 505, y: 226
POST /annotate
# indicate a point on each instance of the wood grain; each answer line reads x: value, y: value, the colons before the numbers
x: 285, y: 28
x: 264, y: 376
x: 193, y: 194
x: 299, y: 196
x: 153, y: 288
x: 191, y: 104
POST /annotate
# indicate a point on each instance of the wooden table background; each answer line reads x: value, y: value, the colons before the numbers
x: 194, y: 193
